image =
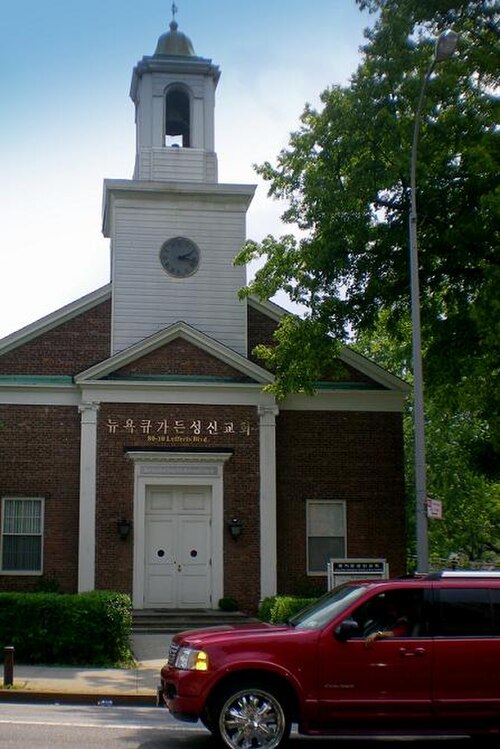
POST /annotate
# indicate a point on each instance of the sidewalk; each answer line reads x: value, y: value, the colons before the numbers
x: 76, y: 685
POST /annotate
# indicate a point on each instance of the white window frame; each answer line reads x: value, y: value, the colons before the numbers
x: 23, y: 573
x: 309, y: 502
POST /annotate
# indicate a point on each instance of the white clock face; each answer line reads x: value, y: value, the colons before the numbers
x: 180, y: 257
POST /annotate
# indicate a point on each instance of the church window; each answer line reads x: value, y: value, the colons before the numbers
x: 22, y: 527
x: 177, y: 118
x: 325, y: 534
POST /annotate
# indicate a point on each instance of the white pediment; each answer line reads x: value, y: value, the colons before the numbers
x: 162, y: 338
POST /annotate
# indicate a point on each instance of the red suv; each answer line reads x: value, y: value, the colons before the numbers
x: 375, y: 657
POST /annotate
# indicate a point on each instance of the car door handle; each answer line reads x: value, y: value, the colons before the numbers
x: 417, y: 652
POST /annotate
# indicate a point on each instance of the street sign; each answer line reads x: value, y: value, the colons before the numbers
x: 434, y: 508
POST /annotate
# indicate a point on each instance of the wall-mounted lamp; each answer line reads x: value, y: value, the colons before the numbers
x: 124, y: 527
x: 235, y: 527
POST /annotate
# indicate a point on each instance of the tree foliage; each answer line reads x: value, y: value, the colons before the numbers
x: 470, y: 494
x: 345, y: 177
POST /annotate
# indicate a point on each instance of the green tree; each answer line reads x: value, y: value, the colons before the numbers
x: 471, y: 500
x: 345, y: 177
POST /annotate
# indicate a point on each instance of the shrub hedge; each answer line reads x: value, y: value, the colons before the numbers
x: 228, y: 604
x: 83, y: 629
x: 278, y: 609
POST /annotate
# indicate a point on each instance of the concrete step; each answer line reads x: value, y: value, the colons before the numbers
x: 156, y: 621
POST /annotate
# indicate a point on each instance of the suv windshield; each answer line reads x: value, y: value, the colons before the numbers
x: 327, y: 607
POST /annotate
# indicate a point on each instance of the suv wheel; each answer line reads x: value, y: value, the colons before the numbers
x: 251, y: 716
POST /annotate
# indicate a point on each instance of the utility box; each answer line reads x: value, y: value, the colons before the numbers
x: 347, y: 570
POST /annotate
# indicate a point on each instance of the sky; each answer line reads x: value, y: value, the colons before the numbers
x: 67, y: 122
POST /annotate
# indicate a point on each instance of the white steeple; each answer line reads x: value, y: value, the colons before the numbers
x: 174, y: 228
x: 174, y: 96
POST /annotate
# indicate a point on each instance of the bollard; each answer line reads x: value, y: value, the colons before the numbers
x: 8, y: 666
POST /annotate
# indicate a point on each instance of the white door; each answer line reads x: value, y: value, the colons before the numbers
x: 177, y: 549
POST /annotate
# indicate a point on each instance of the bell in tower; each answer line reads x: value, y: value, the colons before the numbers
x: 177, y: 118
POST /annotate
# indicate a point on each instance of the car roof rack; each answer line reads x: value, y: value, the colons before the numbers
x: 457, y: 574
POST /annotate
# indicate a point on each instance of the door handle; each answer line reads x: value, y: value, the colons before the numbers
x: 417, y: 652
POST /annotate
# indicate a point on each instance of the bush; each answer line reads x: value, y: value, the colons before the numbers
x: 85, y: 629
x: 266, y: 608
x: 279, y: 609
x: 228, y: 604
x: 48, y: 584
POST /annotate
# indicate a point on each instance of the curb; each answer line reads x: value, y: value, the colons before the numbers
x: 84, y: 698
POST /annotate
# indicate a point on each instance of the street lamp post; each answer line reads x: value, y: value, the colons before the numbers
x: 445, y: 47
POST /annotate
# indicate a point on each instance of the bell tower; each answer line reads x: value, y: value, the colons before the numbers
x: 174, y: 228
x: 174, y: 96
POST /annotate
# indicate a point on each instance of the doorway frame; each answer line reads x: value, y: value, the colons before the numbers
x: 178, y: 469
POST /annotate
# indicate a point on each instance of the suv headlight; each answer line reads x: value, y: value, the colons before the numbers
x: 189, y: 659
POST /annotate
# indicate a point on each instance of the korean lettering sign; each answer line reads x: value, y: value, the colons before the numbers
x: 178, y: 430
x: 359, y: 567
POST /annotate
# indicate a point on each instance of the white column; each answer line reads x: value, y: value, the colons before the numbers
x: 88, y: 472
x: 158, y: 121
x: 209, y: 115
x: 268, y: 541
x: 198, y: 134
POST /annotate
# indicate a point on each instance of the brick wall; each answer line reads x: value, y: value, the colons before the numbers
x: 351, y: 456
x: 181, y: 358
x: 40, y: 457
x: 355, y: 457
x: 260, y: 330
x: 69, y: 348
x: 115, y: 487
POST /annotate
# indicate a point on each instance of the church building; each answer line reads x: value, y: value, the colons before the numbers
x: 139, y: 448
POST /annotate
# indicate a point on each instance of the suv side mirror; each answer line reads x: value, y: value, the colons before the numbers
x: 347, y: 629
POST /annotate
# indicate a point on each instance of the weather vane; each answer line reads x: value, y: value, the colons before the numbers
x: 175, y: 10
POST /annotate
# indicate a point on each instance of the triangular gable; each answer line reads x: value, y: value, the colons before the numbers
x: 54, y: 319
x: 354, y: 362
x: 373, y: 371
x: 127, y: 363
x: 268, y: 308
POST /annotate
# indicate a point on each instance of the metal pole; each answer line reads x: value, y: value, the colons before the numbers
x: 8, y: 666
x: 445, y: 47
x: 422, y: 539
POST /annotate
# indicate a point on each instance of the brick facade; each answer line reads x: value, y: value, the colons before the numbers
x: 40, y: 449
x: 181, y: 358
x: 115, y: 489
x: 261, y: 328
x: 350, y: 455
x: 353, y: 457
x: 69, y: 348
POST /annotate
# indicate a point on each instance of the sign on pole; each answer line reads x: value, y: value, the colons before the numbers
x: 434, y: 508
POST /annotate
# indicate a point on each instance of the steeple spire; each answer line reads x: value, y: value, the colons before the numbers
x: 173, y: 23
x: 174, y: 42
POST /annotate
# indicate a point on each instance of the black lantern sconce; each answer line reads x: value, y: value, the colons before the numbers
x: 124, y: 527
x: 235, y: 527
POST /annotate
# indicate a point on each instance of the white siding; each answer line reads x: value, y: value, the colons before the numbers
x: 146, y: 299
x: 184, y: 164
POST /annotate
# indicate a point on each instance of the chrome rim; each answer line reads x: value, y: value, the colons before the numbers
x: 252, y: 719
